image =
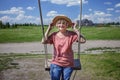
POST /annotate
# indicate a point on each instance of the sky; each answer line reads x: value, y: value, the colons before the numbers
x: 27, y: 11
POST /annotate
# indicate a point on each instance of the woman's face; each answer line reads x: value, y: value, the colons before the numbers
x: 62, y: 24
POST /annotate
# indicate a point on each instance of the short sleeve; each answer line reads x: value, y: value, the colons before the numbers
x: 50, y: 39
x: 74, y: 38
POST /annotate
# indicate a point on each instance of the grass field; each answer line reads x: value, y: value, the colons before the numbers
x: 101, y: 66
x: 94, y: 66
x: 31, y: 33
x: 102, y: 33
x: 21, y: 34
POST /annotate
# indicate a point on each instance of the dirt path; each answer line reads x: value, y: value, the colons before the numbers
x: 37, y: 47
x: 28, y: 69
x: 33, y: 69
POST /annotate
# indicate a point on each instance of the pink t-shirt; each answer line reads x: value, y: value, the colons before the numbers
x: 63, y: 53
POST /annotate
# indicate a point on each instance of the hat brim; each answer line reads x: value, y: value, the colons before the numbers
x: 62, y: 17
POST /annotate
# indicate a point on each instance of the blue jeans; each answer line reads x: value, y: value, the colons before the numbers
x: 58, y: 72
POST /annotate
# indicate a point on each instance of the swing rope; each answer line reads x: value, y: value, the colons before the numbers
x: 80, y: 27
x: 41, y: 19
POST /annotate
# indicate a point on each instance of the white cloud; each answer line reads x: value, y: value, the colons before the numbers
x: 30, y: 8
x: 87, y: 16
x: 117, y: 19
x: 101, y: 17
x: 117, y: 5
x: 52, y: 13
x: 67, y: 2
x: 107, y: 3
x: 117, y: 11
x: 44, y: 0
x: 13, y: 10
x: 103, y: 20
x: 110, y: 9
x: 29, y: 17
x: 17, y: 15
x: 90, y: 9
x: 47, y: 20
x: 72, y: 3
x: 97, y: 17
x: 101, y: 14
x: 21, y: 18
x: 5, y: 19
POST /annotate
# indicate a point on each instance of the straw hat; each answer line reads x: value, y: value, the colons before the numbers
x: 62, y: 17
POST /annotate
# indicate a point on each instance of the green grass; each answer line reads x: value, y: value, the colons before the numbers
x: 4, y: 63
x: 101, y: 66
x: 94, y: 66
x: 101, y: 33
x: 32, y: 33
x: 102, y: 48
x: 21, y: 34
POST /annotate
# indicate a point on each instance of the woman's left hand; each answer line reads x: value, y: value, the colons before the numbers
x: 74, y: 26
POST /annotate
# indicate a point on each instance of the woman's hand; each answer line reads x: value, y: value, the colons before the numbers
x: 74, y: 28
x: 47, y: 32
x: 74, y: 25
x: 50, y: 26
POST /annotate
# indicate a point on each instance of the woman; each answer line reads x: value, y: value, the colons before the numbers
x: 62, y: 40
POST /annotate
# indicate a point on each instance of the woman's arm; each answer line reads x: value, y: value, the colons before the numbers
x: 82, y: 39
x: 47, y: 33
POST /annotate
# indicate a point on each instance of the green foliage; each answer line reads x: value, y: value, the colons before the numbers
x: 1, y: 24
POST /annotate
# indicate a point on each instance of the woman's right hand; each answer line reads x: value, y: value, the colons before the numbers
x: 47, y: 32
x: 50, y: 26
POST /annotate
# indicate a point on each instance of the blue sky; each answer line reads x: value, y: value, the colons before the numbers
x: 26, y: 11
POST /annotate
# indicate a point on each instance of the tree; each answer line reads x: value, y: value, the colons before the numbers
x: 14, y: 26
x: 1, y: 24
x: 7, y: 25
x: 117, y: 23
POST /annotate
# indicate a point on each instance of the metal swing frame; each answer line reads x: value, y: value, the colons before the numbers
x: 77, y: 64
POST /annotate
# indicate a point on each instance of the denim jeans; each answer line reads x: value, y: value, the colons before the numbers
x: 58, y: 72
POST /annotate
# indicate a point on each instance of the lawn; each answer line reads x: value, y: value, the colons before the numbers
x: 101, y: 66
x: 20, y: 34
x: 33, y: 33
x: 101, y: 33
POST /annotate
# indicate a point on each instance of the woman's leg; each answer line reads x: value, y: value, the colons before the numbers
x: 55, y: 72
x: 67, y: 71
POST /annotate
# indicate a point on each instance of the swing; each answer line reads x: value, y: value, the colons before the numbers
x: 77, y: 64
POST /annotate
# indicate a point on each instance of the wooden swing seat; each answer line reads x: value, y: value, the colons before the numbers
x: 77, y: 65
